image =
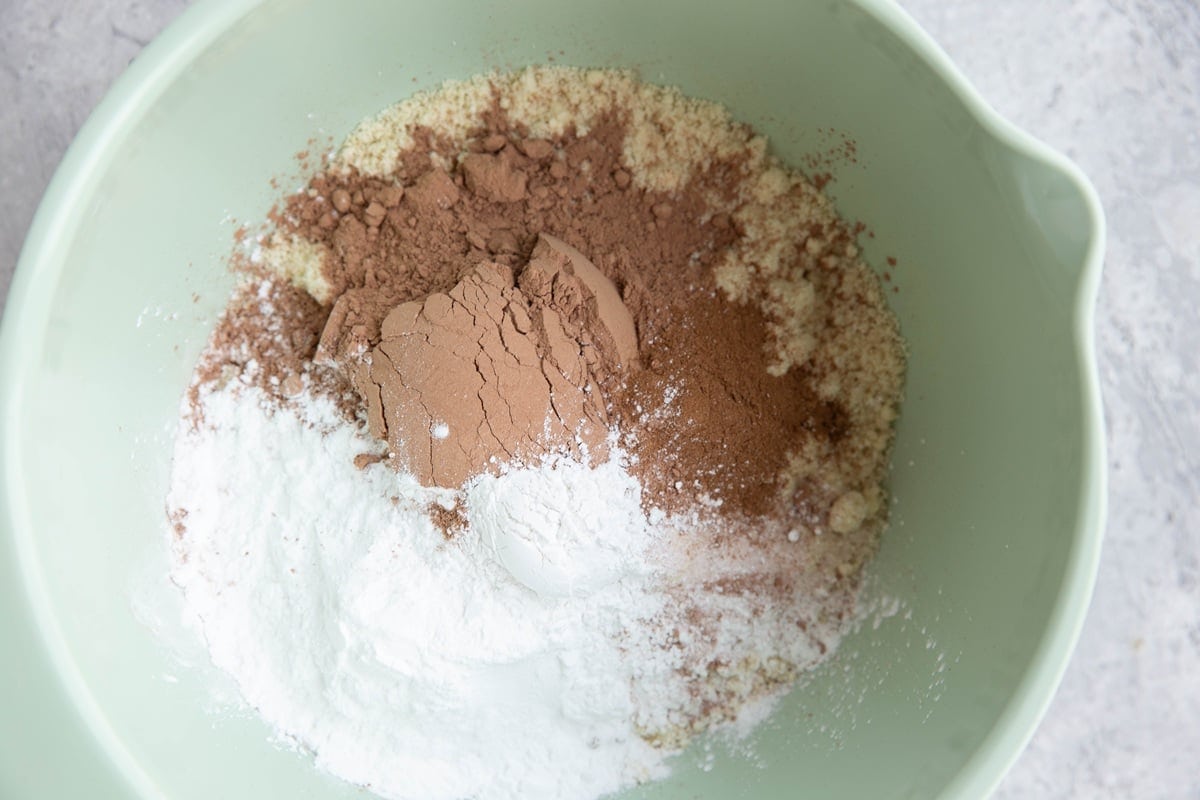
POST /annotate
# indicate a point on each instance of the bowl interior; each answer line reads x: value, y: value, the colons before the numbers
x: 993, y: 470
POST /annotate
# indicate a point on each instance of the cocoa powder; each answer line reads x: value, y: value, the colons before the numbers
x: 706, y: 413
x: 268, y: 335
x: 728, y: 427
x: 500, y: 371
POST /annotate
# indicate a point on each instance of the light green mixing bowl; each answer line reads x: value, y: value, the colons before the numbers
x: 998, y: 475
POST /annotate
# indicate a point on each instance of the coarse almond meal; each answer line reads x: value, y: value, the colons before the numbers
x: 600, y: 360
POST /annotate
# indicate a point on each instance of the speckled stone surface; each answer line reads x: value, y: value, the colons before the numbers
x: 1115, y: 84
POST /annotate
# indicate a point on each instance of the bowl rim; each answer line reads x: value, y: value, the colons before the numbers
x: 25, y: 603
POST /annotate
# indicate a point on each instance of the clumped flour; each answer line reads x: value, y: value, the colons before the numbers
x: 545, y: 432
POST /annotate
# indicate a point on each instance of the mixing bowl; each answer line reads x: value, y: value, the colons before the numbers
x: 983, y: 579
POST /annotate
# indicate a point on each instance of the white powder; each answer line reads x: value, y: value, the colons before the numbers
x: 564, y: 529
x: 549, y: 650
x: 405, y: 661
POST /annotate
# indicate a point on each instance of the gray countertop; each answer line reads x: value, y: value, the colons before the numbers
x: 1115, y: 84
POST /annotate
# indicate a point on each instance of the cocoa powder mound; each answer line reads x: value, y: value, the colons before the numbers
x: 502, y: 370
x: 726, y: 426
x: 702, y: 413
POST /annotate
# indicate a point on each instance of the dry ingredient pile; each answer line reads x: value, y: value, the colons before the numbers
x: 545, y: 430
